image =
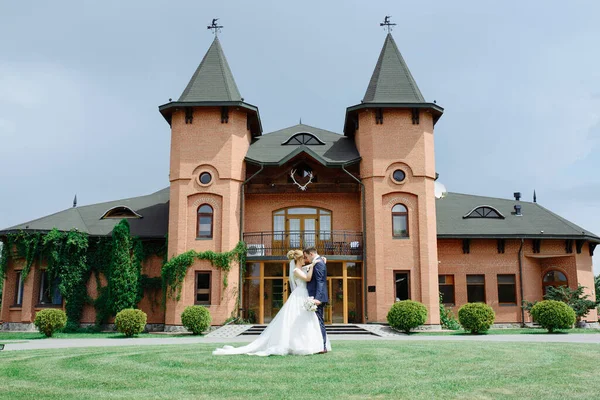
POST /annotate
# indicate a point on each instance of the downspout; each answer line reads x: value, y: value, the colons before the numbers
x: 242, y: 236
x: 521, y: 282
x: 364, y: 225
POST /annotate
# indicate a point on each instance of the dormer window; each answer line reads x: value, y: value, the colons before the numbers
x: 304, y: 138
x: 484, y: 212
x: 120, y: 212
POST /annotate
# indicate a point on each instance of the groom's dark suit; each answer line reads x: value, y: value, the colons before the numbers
x: 317, y: 288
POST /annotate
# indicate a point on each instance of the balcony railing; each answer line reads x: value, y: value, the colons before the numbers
x: 278, y: 243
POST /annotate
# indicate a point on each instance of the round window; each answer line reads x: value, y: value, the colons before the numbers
x: 205, y: 178
x: 399, y: 175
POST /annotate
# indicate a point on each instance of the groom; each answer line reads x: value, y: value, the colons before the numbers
x: 317, y: 287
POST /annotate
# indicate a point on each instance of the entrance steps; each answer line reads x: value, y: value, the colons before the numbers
x: 336, y: 329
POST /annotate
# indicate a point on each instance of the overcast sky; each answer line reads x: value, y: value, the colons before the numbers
x: 80, y: 83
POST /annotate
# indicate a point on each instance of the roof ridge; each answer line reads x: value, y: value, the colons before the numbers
x: 490, y: 197
x: 220, y: 58
x: 87, y: 228
x: 566, y: 222
x: 406, y: 71
x: 308, y: 126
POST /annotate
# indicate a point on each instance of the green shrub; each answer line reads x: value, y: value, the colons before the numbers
x: 476, y: 317
x: 406, y: 315
x: 196, y: 319
x: 552, y: 314
x: 130, y: 322
x: 447, y: 318
x: 50, y: 320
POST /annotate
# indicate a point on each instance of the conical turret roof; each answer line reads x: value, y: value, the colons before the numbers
x: 213, y: 80
x: 392, y: 81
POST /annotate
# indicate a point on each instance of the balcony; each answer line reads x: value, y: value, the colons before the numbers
x: 333, y: 244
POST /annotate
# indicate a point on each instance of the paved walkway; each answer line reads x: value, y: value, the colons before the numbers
x: 40, y: 344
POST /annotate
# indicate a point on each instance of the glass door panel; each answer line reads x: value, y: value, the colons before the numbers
x: 294, y: 233
x: 309, y: 231
x: 355, y: 301
x: 336, y: 299
x: 251, y: 300
x: 273, y: 298
x: 278, y: 245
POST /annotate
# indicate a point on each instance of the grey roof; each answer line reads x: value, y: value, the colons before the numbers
x: 213, y: 80
x: 392, y: 81
x: 535, y: 219
x: 269, y: 149
x: 153, y: 208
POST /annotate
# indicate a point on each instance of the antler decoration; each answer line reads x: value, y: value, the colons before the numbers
x: 302, y: 187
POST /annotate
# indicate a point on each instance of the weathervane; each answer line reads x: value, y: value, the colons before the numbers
x: 214, y: 27
x: 387, y: 24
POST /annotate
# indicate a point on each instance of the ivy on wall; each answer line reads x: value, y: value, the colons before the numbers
x: 174, y: 270
x: 73, y: 257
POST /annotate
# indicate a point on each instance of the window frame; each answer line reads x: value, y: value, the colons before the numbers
x: 514, y: 285
x: 201, y: 303
x: 402, y: 271
x: 205, y: 173
x: 446, y: 284
x: 491, y: 213
x: 545, y: 285
x: 476, y: 284
x: 19, y: 289
x: 205, y: 214
x: 44, y: 274
x: 400, y: 214
x: 303, y: 139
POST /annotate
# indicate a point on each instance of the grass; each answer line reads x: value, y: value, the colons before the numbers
x: 354, y: 370
x: 7, y: 335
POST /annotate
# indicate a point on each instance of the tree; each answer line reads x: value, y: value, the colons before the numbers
x: 123, y: 281
x: 576, y: 299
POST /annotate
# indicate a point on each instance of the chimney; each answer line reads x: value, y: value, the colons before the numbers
x: 518, y: 210
x: 517, y: 196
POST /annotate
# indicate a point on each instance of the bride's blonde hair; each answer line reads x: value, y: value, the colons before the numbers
x: 295, y: 255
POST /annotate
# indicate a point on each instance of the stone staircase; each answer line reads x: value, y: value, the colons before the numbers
x: 337, y: 329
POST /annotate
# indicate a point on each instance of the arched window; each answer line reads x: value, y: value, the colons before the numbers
x: 555, y: 279
x: 400, y: 221
x: 484, y: 212
x: 120, y: 212
x: 303, y: 138
x: 205, y: 221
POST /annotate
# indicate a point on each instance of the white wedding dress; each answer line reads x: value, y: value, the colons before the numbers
x: 293, y: 331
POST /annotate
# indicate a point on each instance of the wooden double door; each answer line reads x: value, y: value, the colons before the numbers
x: 266, y: 289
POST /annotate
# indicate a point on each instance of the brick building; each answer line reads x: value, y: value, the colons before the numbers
x: 365, y: 198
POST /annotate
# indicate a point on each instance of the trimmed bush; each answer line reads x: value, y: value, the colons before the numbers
x: 476, y: 317
x: 406, y: 315
x: 50, y: 320
x: 130, y: 321
x: 552, y: 314
x: 196, y: 319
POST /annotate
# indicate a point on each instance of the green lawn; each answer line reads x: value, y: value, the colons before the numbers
x: 370, y: 369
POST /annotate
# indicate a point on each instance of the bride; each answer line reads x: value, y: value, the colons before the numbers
x: 293, y: 330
